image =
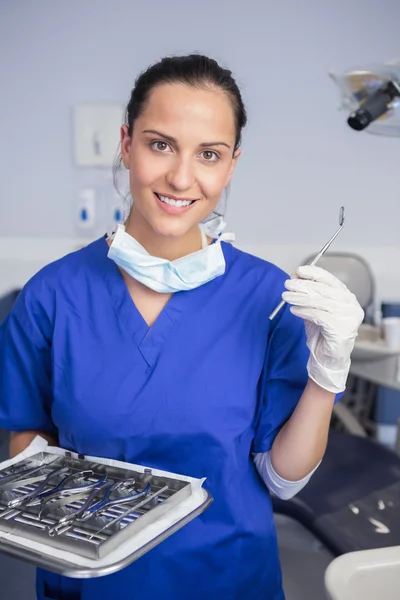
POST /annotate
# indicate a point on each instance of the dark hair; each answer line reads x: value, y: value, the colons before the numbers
x: 195, y: 70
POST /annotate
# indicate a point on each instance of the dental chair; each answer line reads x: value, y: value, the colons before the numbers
x: 6, y: 303
x: 352, y: 501
x: 17, y: 577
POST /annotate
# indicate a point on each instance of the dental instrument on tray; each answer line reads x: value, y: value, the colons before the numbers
x: 61, y: 490
x: 53, y: 503
x: 317, y: 257
x: 117, y: 501
x: 22, y: 473
x: 19, y: 483
x: 31, y: 495
x: 74, y: 514
x: 105, y: 503
x: 84, y: 512
x: 130, y: 510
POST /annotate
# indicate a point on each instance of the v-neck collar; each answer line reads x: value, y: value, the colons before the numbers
x: 149, y: 340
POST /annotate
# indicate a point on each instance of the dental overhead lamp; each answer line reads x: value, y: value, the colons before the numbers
x: 371, y: 95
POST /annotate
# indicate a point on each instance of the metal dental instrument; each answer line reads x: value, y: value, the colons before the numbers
x: 61, y: 490
x: 15, y: 502
x: 22, y: 473
x: 55, y: 505
x: 59, y: 499
x: 78, y: 515
x: 130, y: 510
x: 316, y: 259
x: 73, y: 515
x: 105, y: 503
x: 15, y: 484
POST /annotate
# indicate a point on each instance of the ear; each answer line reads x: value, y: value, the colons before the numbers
x: 125, y: 146
x: 235, y: 158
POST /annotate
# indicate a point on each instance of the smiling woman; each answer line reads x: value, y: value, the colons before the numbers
x: 155, y: 347
x: 181, y: 144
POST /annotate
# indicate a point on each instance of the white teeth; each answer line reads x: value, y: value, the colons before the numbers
x: 178, y: 203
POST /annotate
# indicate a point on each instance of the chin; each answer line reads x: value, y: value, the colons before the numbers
x: 173, y: 229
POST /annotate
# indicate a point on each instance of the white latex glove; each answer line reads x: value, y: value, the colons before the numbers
x: 332, y: 317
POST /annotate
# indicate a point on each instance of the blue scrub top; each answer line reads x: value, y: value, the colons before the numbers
x: 211, y: 382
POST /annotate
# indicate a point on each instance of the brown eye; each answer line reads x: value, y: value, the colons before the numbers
x: 159, y: 145
x: 210, y: 156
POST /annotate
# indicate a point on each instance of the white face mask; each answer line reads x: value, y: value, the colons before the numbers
x: 165, y: 276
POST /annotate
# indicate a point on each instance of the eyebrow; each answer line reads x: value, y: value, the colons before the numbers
x: 174, y: 141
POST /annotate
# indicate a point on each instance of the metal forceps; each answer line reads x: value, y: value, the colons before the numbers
x: 130, y: 510
x: 17, y: 483
x: 64, y: 501
x: 105, y: 503
x: 61, y: 490
x: 24, y: 473
x: 71, y: 494
x: 16, y: 502
x: 316, y: 259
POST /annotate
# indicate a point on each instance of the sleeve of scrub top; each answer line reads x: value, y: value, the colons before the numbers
x: 283, y: 379
x: 25, y: 368
x: 282, y: 488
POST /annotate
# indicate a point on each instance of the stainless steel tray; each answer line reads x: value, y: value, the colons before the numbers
x: 99, y: 535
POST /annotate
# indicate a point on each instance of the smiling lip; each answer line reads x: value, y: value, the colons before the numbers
x: 176, y: 197
x: 173, y: 210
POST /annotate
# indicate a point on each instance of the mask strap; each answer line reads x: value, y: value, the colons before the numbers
x: 227, y: 237
x: 112, y: 232
x: 204, y: 242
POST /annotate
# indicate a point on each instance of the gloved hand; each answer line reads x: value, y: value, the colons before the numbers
x: 332, y: 317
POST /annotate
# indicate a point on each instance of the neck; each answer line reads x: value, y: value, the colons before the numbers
x: 169, y: 248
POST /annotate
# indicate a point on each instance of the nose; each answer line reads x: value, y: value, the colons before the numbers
x: 181, y: 174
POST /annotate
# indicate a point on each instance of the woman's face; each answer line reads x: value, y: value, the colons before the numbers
x: 180, y: 157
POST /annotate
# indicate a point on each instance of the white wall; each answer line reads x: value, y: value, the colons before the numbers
x: 300, y: 162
